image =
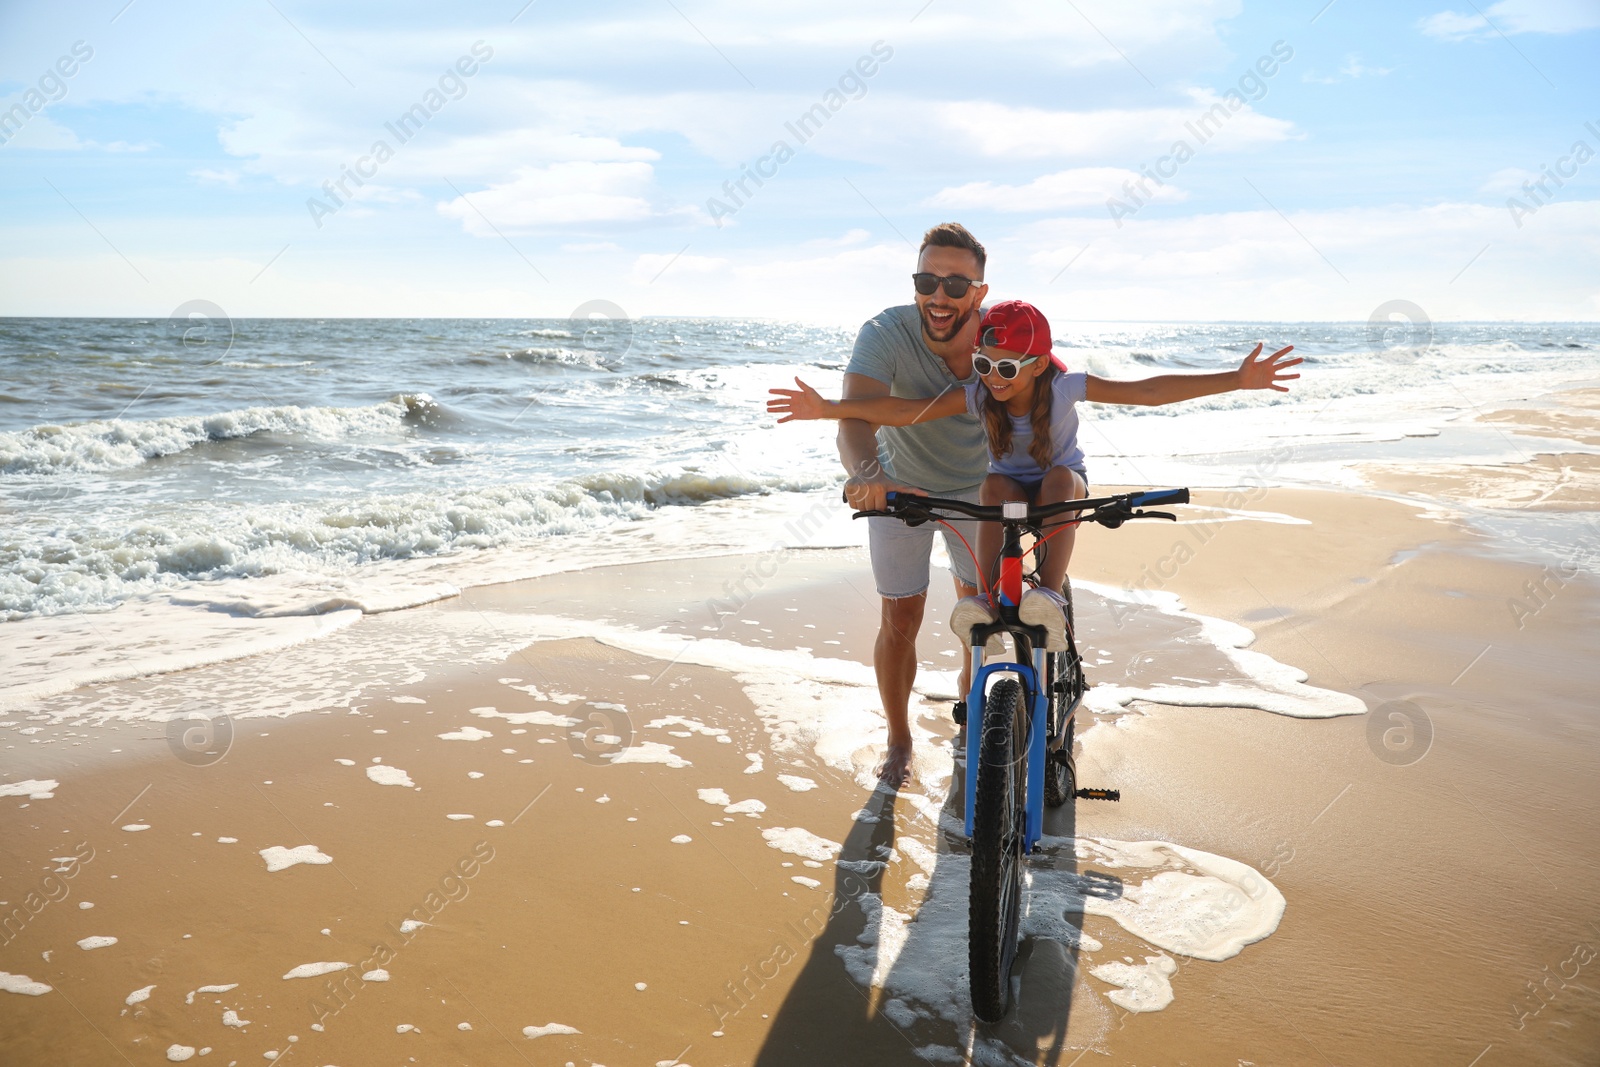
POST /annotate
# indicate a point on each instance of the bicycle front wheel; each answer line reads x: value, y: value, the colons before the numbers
x: 995, y: 904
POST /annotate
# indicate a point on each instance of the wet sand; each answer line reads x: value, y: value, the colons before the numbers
x: 1437, y: 854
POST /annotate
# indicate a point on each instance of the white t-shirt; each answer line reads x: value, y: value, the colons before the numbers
x: 1066, y: 390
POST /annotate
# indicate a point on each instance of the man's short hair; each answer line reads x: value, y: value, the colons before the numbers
x: 954, y: 235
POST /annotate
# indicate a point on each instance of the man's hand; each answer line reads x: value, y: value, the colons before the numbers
x: 867, y: 493
x: 802, y: 403
x: 1268, y: 372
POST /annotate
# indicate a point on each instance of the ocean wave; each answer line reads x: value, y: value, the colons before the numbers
x: 113, y: 444
x: 107, y: 560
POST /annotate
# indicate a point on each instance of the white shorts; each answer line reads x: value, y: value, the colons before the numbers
x: 901, y: 554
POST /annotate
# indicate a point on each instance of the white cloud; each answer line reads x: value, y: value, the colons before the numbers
x: 1080, y: 187
x: 561, y: 193
x: 43, y: 133
x: 1515, y: 16
x: 1252, y: 265
x: 1000, y: 131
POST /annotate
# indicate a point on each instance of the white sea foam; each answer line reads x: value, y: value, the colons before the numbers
x: 279, y: 858
x: 798, y: 841
x: 33, y: 788
x: 1141, y: 987
x: 177, y: 1053
x: 648, y: 752
x: 1204, y: 906
x: 139, y: 996
x: 548, y: 1029
x: 21, y: 983
x: 465, y: 733
x: 796, y: 782
x: 314, y: 970
x: 384, y: 774
x: 526, y: 718
x: 377, y: 974
x: 121, y: 443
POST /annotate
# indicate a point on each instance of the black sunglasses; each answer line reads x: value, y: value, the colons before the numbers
x: 955, y: 286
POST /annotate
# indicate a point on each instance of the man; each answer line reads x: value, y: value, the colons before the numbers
x: 916, y: 350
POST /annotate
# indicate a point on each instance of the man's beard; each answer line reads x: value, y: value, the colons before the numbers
x: 956, y: 326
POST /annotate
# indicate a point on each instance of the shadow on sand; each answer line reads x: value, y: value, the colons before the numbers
x: 828, y: 1018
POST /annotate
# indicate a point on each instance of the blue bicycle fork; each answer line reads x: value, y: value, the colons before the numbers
x: 1029, y: 677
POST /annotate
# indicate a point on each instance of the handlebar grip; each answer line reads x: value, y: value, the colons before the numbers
x: 1159, y: 496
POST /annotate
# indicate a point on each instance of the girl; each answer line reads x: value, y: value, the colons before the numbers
x: 1027, y: 403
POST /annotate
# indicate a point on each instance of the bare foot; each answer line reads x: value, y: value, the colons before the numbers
x: 895, y: 770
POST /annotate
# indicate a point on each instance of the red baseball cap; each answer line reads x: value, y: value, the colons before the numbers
x: 1015, y: 326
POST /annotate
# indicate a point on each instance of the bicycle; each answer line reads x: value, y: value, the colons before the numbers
x: 1019, y: 759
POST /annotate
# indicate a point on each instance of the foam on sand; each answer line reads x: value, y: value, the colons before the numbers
x: 21, y: 983
x: 797, y: 783
x: 383, y: 774
x: 279, y: 858
x: 177, y: 1053
x: 139, y: 996
x: 1262, y: 682
x: 549, y: 1029
x: 1142, y: 987
x: 465, y: 733
x: 1204, y: 906
x: 648, y: 752
x: 526, y: 718
x: 96, y: 942
x: 33, y: 789
x: 798, y: 841
x: 315, y: 970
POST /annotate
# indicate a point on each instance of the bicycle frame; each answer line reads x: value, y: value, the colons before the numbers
x: 1017, y: 516
x: 1008, y: 595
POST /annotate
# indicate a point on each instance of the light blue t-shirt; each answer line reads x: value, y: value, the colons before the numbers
x: 1066, y: 391
x: 942, y: 456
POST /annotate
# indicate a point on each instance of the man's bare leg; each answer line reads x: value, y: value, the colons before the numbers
x: 964, y: 590
x: 894, y: 661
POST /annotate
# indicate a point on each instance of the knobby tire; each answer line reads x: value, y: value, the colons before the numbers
x: 995, y: 904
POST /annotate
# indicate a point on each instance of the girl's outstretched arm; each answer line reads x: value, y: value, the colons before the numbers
x: 806, y: 403
x: 1265, y: 372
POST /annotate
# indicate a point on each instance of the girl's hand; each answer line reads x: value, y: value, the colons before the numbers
x: 802, y: 403
x: 1268, y: 372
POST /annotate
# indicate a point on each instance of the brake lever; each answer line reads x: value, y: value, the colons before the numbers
x: 1154, y: 515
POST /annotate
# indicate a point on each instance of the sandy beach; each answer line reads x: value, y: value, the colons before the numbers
x: 625, y: 815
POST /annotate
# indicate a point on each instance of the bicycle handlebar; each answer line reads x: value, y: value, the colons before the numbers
x: 1109, y: 511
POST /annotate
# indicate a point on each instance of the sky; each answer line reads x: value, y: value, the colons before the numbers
x: 1199, y: 160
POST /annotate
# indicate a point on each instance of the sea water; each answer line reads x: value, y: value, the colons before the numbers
x: 172, y: 494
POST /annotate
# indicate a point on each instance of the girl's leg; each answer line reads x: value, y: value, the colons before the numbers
x: 1060, y: 484
x: 996, y: 489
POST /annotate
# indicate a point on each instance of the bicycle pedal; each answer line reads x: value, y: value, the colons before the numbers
x: 1098, y: 794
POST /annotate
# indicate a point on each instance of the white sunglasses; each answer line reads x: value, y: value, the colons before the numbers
x: 1006, y: 368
